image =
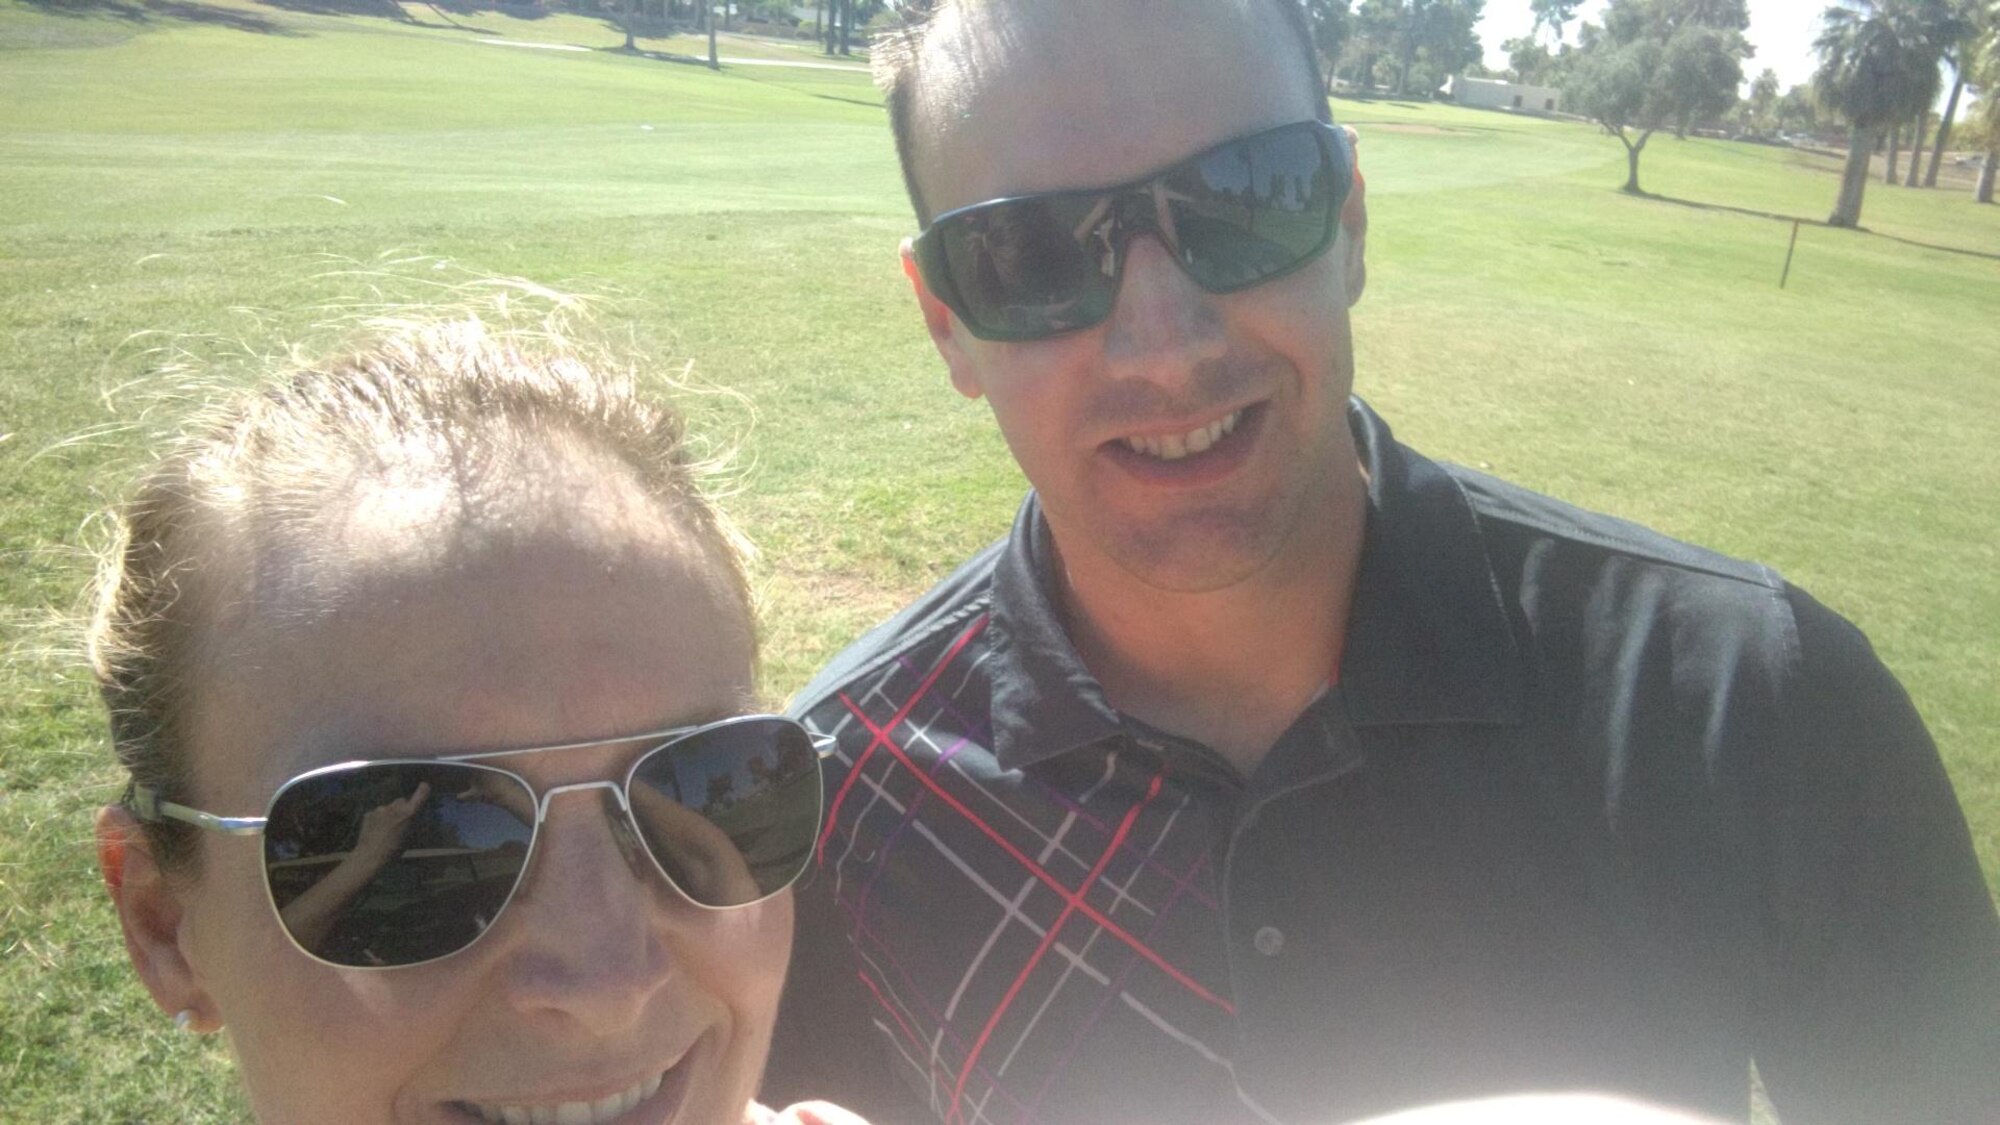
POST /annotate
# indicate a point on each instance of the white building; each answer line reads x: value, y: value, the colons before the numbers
x: 1492, y: 93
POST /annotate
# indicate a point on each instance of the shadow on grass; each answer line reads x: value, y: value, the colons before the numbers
x: 475, y: 7
x: 1782, y: 218
x: 151, y: 11
x: 194, y: 11
x: 746, y: 73
x: 657, y: 56
x: 380, y: 9
x: 1400, y: 101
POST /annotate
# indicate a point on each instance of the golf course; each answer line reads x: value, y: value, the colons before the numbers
x: 190, y: 186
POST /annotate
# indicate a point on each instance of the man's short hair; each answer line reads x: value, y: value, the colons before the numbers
x: 898, y: 56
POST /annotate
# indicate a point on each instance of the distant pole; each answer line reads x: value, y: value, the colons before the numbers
x: 1788, y: 255
x: 713, y: 62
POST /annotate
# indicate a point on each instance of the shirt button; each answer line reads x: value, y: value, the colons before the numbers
x: 1270, y: 941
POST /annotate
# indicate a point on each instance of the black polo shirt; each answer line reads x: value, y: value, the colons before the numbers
x: 1585, y: 808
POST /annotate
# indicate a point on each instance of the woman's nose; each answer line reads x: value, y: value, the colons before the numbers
x: 591, y: 941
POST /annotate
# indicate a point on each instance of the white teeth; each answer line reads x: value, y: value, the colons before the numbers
x: 1173, y: 447
x: 603, y: 1111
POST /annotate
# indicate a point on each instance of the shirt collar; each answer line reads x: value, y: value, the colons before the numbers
x: 1428, y: 638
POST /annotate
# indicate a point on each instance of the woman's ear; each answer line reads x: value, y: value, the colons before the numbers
x: 150, y: 911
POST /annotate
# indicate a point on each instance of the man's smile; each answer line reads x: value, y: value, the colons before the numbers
x: 1174, y: 446
x: 1196, y: 456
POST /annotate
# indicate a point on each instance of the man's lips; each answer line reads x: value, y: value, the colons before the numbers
x: 1176, y: 444
x: 1200, y: 455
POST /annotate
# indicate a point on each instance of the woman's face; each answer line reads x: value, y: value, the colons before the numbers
x: 518, y: 630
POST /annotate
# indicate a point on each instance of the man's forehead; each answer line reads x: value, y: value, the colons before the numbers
x: 1024, y: 95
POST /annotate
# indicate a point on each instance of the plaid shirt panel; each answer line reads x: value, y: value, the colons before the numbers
x: 1082, y: 956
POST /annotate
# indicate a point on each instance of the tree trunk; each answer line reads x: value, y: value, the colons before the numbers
x: 846, y: 25
x: 1944, y: 131
x: 1895, y: 147
x: 819, y: 19
x: 1916, y: 148
x: 1632, y: 151
x: 1984, y: 192
x: 1853, y: 179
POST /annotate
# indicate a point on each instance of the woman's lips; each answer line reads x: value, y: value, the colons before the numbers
x: 657, y: 1097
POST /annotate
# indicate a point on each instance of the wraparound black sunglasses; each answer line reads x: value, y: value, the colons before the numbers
x: 1245, y: 212
x: 391, y: 862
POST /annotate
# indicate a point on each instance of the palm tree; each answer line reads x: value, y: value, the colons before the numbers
x: 1878, y: 68
x: 1983, y: 22
x: 1985, y: 123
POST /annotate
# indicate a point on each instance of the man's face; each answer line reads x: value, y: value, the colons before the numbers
x: 1186, y: 441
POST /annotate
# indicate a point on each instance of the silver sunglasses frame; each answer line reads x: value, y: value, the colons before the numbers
x: 146, y: 805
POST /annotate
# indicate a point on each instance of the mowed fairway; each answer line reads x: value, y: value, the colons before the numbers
x: 243, y: 172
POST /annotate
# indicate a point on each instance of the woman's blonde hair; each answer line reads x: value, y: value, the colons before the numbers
x: 281, y: 451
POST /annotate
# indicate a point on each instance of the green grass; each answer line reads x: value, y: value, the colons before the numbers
x: 179, y: 174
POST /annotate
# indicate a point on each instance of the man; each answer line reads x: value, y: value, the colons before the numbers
x: 1269, y: 771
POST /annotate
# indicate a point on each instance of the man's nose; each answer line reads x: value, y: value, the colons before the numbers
x: 589, y: 945
x: 1163, y: 326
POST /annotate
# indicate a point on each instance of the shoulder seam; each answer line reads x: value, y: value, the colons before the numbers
x: 1739, y: 570
x: 805, y: 705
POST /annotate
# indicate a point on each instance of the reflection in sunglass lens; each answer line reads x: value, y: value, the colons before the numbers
x: 395, y: 863
x: 1257, y: 207
x: 1252, y: 209
x: 1040, y: 262
x: 730, y: 813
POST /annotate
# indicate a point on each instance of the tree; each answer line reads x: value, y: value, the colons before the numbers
x: 1554, y: 15
x: 1917, y: 128
x: 1427, y: 40
x: 1328, y: 19
x: 1657, y: 64
x: 1376, y: 29
x: 1983, y: 129
x: 1447, y: 42
x: 1527, y: 60
x: 1797, y: 111
x: 1763, y: 101
x: 1981, y: 21
x: 1878, y: 67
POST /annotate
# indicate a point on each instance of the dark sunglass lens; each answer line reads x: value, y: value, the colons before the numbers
x: 1034, y: 267
x: 1256, y: 208
x: 730, y: 813
x: 395, y: 863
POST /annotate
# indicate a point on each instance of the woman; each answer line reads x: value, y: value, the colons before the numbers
x: 433, y: 671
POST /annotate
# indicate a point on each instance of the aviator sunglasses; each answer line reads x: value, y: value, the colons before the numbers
x: 392, y: 862
x: 1245, y: 212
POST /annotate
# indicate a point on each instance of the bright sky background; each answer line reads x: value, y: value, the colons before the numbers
x: 1781, y: 30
